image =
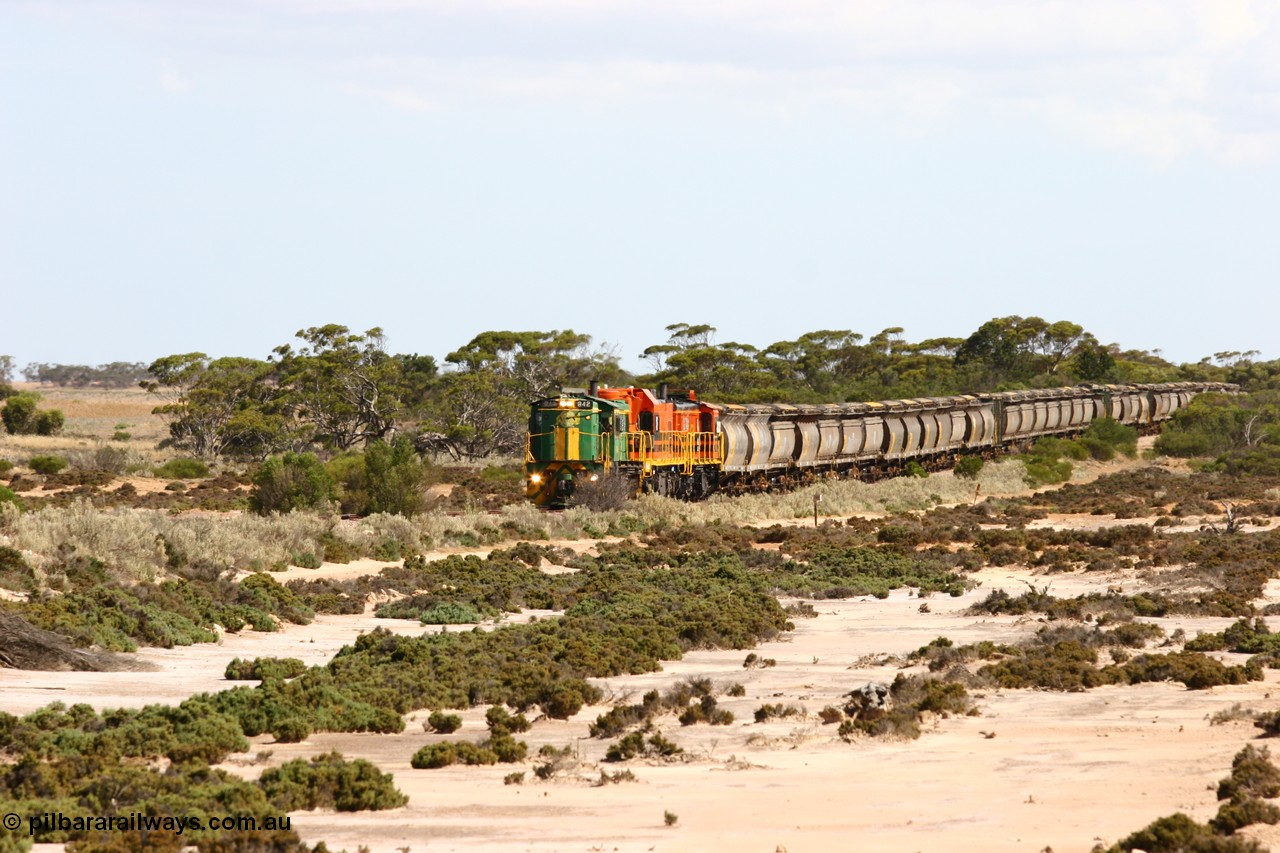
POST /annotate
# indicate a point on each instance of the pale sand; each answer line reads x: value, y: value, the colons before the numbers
x: 1062, y: 771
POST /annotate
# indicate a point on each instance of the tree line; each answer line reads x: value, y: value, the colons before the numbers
x: 335, y: 390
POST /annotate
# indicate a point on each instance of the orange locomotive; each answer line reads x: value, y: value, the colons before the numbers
x: 668, y: 443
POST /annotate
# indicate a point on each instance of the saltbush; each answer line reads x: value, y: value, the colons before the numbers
x: 47, y: 465
x: 442, y: 723
x: 260, y: 669
x: 291, y: 730
x: 1252, y: 776
x: 330, y: 782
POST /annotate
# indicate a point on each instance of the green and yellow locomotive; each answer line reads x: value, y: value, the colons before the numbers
x: 664, y: 443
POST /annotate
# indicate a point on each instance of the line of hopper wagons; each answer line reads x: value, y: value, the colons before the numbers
x: 675, y: 444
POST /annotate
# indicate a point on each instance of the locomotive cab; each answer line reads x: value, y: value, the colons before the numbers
x: 572, y: 437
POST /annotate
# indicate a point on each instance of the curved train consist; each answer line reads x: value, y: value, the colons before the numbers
x: 676, y: 444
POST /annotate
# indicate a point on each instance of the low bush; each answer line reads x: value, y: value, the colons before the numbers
x: 1244, y: 637
x: 1044, y: 463
x: 499, y: 748
x: 1178, y: 833
x: 636, y: 745
x: 969, y: 467
x: 47, y: 422
x: 1253, y: 776
x: 291, y: 730
x: 260, y: 669
x: 500, y: 721
x: 330, y: 782
x: 768, y: 712
x: 450, y: 613
x: 18, y: 411
x: 1106, y: 437
x: 47, y: 465
x: 444, y: 724
x: 1237, y: 815
x: 706, y: 710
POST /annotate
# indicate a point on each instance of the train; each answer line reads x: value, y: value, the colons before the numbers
x: 674, y: 444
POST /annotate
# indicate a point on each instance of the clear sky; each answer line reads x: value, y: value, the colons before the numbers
x: 180, y: 175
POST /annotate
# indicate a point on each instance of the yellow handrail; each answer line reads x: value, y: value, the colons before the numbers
x: 686, y: 449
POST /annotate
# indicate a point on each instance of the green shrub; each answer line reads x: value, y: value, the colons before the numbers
x: 18, y: 411
x: 260, y: 669
x: 635, y: 744
x: 1252, y: 776
x: 1106, y: 437
x: 506, y: 748
x: 291, y: 730
x: 498, y: 748
x: 1175, y: 833
x: 387, y: 477
x: 501, y: 721
x: 1269, y: 722
x: 47, y: 422
x: 564, y: 701
x: 706, y: 710
x: 7, y: 496
x: 915, y: 469
x: 330, y: 782
x: 1045, y: 472
x: 1237, y: 815
x: 47, y: 465
x: 768, y: 712
x: 451, y: 613
x: 442, y: 723
x: 969, y: 467
x: 181, y: 469
x: 289, y: 482
x: 433, y: 756
x: 395, y: 477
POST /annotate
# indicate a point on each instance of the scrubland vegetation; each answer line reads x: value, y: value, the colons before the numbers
x: 91, y: 552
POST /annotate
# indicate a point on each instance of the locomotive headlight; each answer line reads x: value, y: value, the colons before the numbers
x: 595, y: 477
x: 566, y: 404
x: 535, y: 478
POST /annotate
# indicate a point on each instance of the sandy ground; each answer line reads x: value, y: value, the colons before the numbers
x: 1034, y: 770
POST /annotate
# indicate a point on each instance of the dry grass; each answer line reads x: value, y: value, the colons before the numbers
x: 94, y: 416
x: 131, y: 541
